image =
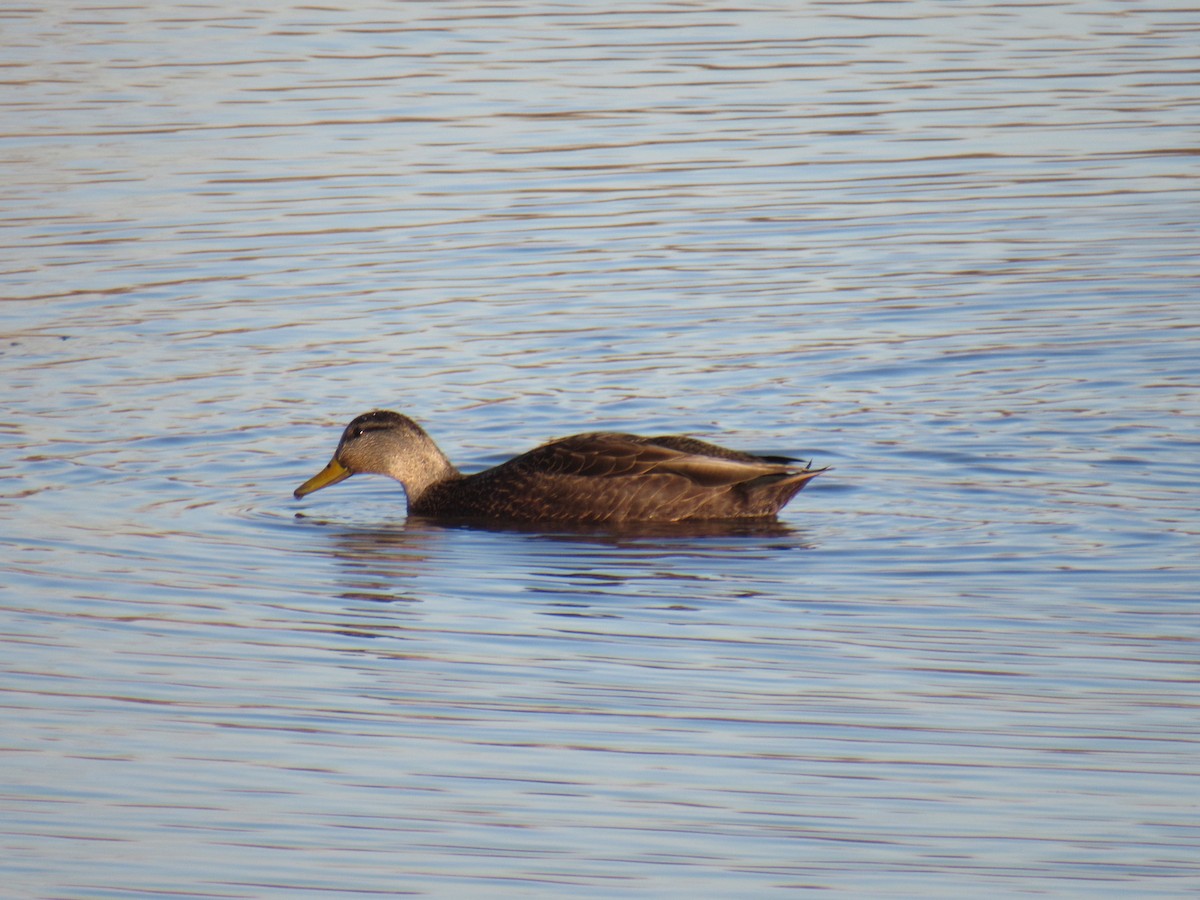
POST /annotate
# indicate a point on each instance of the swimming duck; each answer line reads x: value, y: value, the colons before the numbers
x: 602, y: 477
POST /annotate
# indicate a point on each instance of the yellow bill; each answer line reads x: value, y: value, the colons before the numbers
x: 331, y: 474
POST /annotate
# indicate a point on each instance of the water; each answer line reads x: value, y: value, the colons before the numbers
x: 947, y: 249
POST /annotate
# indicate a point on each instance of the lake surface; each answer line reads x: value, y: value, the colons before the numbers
x: 948, y: 249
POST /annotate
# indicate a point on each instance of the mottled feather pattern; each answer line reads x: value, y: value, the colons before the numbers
x: 619, y: 477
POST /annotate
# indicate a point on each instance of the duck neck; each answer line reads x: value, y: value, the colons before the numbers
x: 420, y: 475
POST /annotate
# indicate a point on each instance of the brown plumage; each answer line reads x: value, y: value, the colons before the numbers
x: 587, y: 478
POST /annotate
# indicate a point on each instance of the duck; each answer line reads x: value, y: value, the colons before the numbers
x: 594, y: 478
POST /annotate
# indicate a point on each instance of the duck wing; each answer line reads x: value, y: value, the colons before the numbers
x: 675, y: 470
x: 613, y: 455
x: 608, y: 455
x: 704, y: 448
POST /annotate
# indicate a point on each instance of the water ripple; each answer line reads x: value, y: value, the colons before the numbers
x: 947, y: 250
